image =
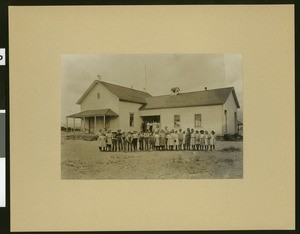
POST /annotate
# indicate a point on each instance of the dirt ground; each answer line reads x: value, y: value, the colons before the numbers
x: 82, y: 160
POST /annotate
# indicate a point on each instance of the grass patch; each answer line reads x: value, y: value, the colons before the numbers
x: 231, y: 149
x: 84, y: 137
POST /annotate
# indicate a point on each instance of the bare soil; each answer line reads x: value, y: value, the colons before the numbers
x: 82, y: 160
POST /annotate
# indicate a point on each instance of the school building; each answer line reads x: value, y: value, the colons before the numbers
x: 116, y: 107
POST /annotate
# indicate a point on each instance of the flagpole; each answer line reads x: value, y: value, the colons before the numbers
x: 145, y: 77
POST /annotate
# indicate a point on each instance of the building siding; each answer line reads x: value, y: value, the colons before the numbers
x: 231, y: 108
x: 107, y: 100
x: 125, y: 108
x: 211, y: 117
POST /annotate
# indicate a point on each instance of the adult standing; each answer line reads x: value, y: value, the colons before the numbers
x: 135, y: 137
x: 162, y: 138
x: 119, y: 140
x: 180, y: 139
x: 188, y: 139
x: 146, y: 137
x: 141, y: 141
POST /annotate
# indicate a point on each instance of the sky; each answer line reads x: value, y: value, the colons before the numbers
x: 155, y: 73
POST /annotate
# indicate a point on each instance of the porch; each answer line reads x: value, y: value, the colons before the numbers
x: 92, y: 120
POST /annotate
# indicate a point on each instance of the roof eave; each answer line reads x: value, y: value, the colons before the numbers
x: 216, y: 104
x: 235, y: 98
x: 83, y: 96
x: 89, y: 89
x: 123, y: 100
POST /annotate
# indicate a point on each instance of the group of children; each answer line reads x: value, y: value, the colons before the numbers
x: 156, y: 140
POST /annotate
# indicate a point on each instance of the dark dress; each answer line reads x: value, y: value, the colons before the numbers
x: 188, y: 138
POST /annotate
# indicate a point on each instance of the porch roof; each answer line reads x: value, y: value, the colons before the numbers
x: 92, y: 113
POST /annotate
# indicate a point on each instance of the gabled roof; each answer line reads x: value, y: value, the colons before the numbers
x: 126, y: 94
x: 123, y: 93
x: 198, y: 98
x: 92, y: 113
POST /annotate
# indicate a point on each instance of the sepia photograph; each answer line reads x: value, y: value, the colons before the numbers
x: 151, y: 116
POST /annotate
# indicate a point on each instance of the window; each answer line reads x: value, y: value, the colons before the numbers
x: 176, y: 120
x: 197, y: 120
x: 98, y: 95
x: 131, y: 119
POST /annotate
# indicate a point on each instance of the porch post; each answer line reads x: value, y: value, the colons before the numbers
x: 84, y: 123
x: 67, y: 124
x: 95, y: 124
x: 74, y: 125
x: 104, y: 121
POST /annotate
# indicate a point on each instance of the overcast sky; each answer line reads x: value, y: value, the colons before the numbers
x: 190, y: 72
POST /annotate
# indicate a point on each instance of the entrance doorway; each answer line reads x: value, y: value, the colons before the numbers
x: 91, y: 124
x: 151, y: 122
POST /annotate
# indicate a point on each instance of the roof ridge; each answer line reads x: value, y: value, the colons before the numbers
x: 197, y: 98
x: 122, y: 86
x: 231, y: 87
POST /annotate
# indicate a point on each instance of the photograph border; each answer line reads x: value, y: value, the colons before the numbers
x: 4, y: 73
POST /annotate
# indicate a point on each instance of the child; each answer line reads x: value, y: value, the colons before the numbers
x: 123, y: 139
x: 197, y: 140
x: 99, y: 133
x: 180, y: 139
x: 187, y: 139
x: 141, y: 141
x: 134, y: 140
x: 212, y: 141
x: 157, y: 141
x: 146, y: 138
x: 168, y: 141
x: 166, y: 138
x: 109, y: 140
x: 102, y: 142
x: 193, y: 139
x: 176, y: 141
x: 202, y: 140
x: 152, y: 141
x: 162, y: 139
x: 119, y: 140
x: 171, y: 140
x: 129, y: 141
x: 114, y: 141
x: 183, y: 140
x: 207, y: 139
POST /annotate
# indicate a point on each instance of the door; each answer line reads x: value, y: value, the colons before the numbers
x: 107, y: 122
x: 91, y: 124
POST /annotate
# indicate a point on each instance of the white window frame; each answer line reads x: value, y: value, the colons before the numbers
x: 131, y: 113
x: 200, y: 121
x: 179, y: 121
